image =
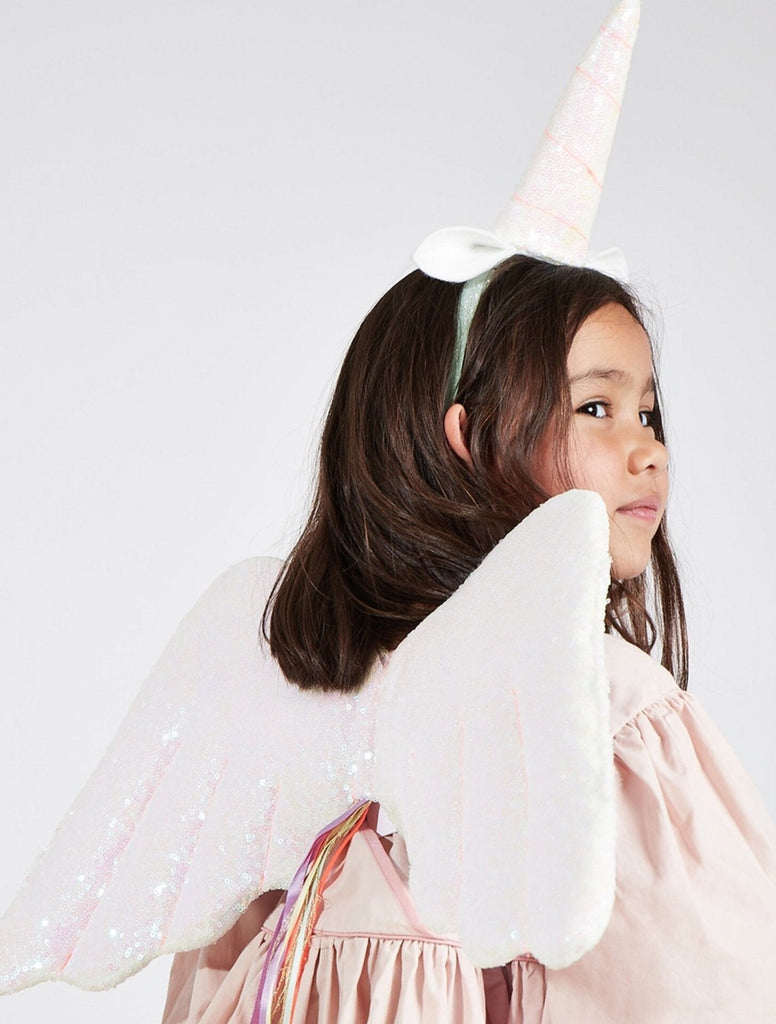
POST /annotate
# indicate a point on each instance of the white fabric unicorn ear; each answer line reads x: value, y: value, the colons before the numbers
x: 553, y: 208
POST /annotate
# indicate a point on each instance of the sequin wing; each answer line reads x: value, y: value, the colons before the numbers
x: 198, y: 806
x: 494, y: 750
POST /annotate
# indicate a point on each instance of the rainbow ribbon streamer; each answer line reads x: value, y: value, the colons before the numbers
x: 290, y: 944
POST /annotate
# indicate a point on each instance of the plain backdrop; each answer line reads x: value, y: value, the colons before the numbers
x: 199, y: 202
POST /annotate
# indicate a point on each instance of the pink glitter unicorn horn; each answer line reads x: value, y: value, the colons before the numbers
x: 552, y: 212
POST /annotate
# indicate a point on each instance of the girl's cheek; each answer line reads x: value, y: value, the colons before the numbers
x: 553, y: 461
x: 579, y: 455
x: 544, y: 466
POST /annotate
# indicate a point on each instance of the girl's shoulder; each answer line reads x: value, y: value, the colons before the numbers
x: 636, y: 681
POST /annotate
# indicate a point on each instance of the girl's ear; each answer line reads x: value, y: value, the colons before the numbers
x: 455, y: 432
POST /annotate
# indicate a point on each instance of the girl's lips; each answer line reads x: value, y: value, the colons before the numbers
x: 642, y: 508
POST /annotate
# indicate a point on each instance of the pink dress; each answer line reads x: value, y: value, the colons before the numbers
x: 692, y: 937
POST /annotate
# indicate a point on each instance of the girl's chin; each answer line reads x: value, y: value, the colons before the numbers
x: 629, y: 560
x: 628, y: 569
x: 630, y: 548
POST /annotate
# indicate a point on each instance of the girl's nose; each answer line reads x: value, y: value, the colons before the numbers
x: 648, y: 454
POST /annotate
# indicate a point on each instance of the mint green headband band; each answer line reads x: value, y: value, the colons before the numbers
x: 468, y: 301
x: 610, y: 262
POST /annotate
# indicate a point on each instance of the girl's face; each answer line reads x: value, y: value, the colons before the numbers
x: 611, y: 445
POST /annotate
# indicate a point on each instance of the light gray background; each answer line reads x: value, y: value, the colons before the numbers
x: 199, y: 202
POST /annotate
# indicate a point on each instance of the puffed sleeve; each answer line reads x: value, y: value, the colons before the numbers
x: 692, y: 936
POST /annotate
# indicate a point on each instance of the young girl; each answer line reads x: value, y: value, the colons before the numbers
x: 462, y: 418
x: 557, y: 389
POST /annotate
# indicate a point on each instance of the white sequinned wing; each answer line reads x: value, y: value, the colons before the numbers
x: 494, y: 748
x: 491, y: 752
x: 217, y: 783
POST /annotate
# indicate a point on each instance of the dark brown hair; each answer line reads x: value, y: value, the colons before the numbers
x: 398, y: 520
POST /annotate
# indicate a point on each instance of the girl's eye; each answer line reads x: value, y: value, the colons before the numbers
x: 647, y: 417
x: 595, y: 409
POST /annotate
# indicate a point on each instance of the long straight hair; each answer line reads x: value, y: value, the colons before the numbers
x: 398, y: 521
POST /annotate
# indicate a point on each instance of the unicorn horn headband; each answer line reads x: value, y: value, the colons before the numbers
x: 553, y: 208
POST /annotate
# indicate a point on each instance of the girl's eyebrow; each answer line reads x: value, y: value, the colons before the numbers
x: 619, y: 377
